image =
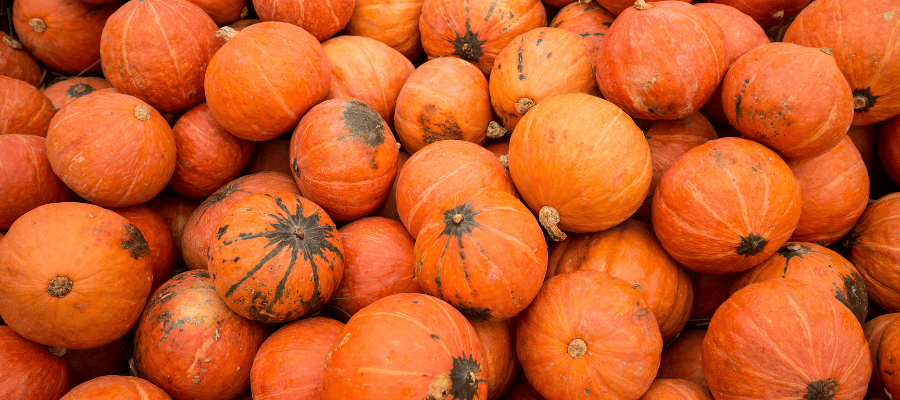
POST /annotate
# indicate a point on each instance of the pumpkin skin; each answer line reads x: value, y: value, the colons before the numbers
x: 601, y: 321
x: 368, y: 70
x: 117, y: 387
x: 159, y: 239
x: 706, y: 237
x: 388, y: 209
x: 498, y: 346
x: 888, y: 353
x: 768, y: 13
x: 804, y: 344
x: 889, y: 147
x: 681, y: 358
x: 109, y: 359
x: 653, y: 73
x: 476, y: 31
x: 835, y: 192
x: 378, y: 262
x: 29, y: 371
x: 175, y: 211
x: 223, y: 12
x: 63, y: 35
x: 291, y: 362
x: 260, y: 83
x: 874, y: 331
x: 540, y: 63
x: 376, y: 346
x: 392, y: 22
x: 561, y: 135
x: 588, y: 20
x: 270, y: 155
x: 673, y: 389
x: 202, y: 223
x: 26, y: 179
x: 710, y: 291
x: 344, y: 158
x: 86, y: 151
x: 863, y: 138
x: 483, y: 252
x: 25, y: 110
x: 55, y: 293
x: 323, y: 19
x: 208, y: 156
x: 64, y: 91
x: 190, y: 344
x: 874, y: 253
x: 759, y: 103
x: 869, y: 65
x: 17, y: 63
x: 631, y: 252
x: 158, y: 51
x: 445, y: 98
x: 440, y: 170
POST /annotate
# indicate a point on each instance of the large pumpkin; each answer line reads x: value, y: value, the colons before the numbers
x: 117, y: 387
x: 785, y: 338
x: 29, y: 371
x: 483, y: 252
x: 73, y: 275
x: 321, y: 18
x: 417, y: 337
x: 25, y: 110
x: 725, y: 206
x: 17, y: 63
x: 768, y: 13
x: 875, y: 251
x: 26, y: 178
x: 392, y: 22
x: 580, y: 163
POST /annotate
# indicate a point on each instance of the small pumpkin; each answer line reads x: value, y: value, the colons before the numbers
x: 25, y: 111
x: 586, y: 19
x: 63, y: 92
x: 498, y: 346
x: 118, y: 387
x: 681, y: 358
x: 875, y: 253
x: 874, y: 331
x: 29, y: 370
x: 388, y: 209
x: 392, y: 22
x: 710, y: 291
x: 26, y: 179
x: 224, y: 12
x: 323, y: 19
x: 17, y: 63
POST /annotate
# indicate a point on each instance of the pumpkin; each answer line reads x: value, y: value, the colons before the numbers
x: 888, y: 353
x: 498, y: 346
x: 548, y: 152
x: 710, y: 291
x: 117, y: 387
x: 63, y: 35
x: 863, y: 137
x: 445, y: 98
x: 681, y: 358
x: 483, y: 252
x: 673, y: 389
x: 388, y: 209
x: 322, y: 19
x: 874, y: 331
x: 631, y: 252
x: 291, y: 362
x: 867, y: 60
x: 224, y: 12
x: 262, y: 81
x: 594, y: 329
x: 190, y: 344
x: 17, y: 63
x: 25, y: 110
x: 56, y: 293
x: 26, y: 179
x: 441, y: 170
x: 785, y: 338
x: 344, y: 158
x: 725, y: 206
x: 378, y: 262
x: 63, y: 92
x: 392, y: 22
x: 275, y: 257
x: 270, y: 155
x: 85, y: 148
x: 889, y: 147
x: 651, y: 71
x: 202, y: 223
x: 159, y: 239
x: 367, y: 70
x: 540, y: 63
x: 29, y: 370
x: 109, y: 359
x: 175, y: 211
x: 874, y: 251
x: 476, y: 32
x: 835, y: 192
x: 223, y: 35
x: 768, y: 14
x: 416, y: 336
x: 208, y: 155
x: 587, y: 19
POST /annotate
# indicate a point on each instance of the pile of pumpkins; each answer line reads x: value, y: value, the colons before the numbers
x: 450, y: 199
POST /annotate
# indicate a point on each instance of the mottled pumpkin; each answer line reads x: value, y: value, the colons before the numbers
x: 159, y: 240
x: 874, y: 330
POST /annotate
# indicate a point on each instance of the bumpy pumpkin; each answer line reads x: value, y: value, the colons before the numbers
x: 392, y: 22
x: 586, y: 19
x: 874, y: 251
x: 17, y: 63
x: 26, y: 179
x: 25, y: 110
x: 66, y: 90
x: 117, y: 387
x: 29, y: 371
x: 321, y: 18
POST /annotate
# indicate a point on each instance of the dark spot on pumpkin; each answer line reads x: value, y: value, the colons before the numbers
x: 863, y: 99
x: 438, y: 125
x: 474, y: 313
x: 415, y: 302
x: 789, y: 251
x: 78, y: 90
x: 607, y: 24
x: 737, y: 106
x: 362, y: 123
x: 751, y: 245
x: 465, y: 378
x: 519, y: 66
x: 135, y: 243
x: 221, y: 231
x: 854, y: 295
x: 435, y: 336
x: 888, y: 372
x: 587, y: 391
x: 642, y: 312
x: 468, y: 47
x: 821, y: 390
x: 220, y: 195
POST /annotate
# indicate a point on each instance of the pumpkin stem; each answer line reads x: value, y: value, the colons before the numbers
x: 457, y: 218
x: 642, y: 5
x: 822, y: 389
x: 12, y: 43
x: 778, y: 14
x: 549, y: 218
x: 577, y: 348
x: 524, y: 104
x: 56, y: 351
x: 80, y: 88
x: 132, y: 367
x: 37, y: 25
x: 504, y: 161
x: 59, y: 286
x: 860, y: 102
x: 494, y: 130
x: 226, y: 32
x: 245, y: 12
x: 826, y: 51
x: 794, y: 247
x: 142, y: 112
x: 439, y: 388
x: 300, y: 234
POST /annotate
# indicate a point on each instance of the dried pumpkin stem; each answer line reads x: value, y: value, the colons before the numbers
x: 142, y: 112
x: 495, y: 130
x: 523, y: 105
x: 245, y: 12
x: 778, y: 14
x: 504, y: 161
x: 826, y: 51
x: 37, y: 25
x: 12, y: 43
x: 132, y: 367
x: 642, y: 5
x: 457, y: 219
x: 59, y: 286
x: 300, y: 234
x: 577, y: 348
x: 56, y: 351
x: 794, y: 247
x: 860, y: 102
x: 549, y: 218
x: 226, y: 32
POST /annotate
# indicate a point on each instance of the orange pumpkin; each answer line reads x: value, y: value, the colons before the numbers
x: 392, y: 22
x: 25, y: 110
x: 175, y: 211
x: 555, y: 140
x: 117, y: 387
x: 66, y: 90
x: 674, y: 389
x: 498, y: 346
x: 863, y: 138
x: 158, y: 237
x: 587, y: 19
x: 874, y: 251
x: 681, y: 358
x: 17, y: 63
x: 29, y: 371
x: 889, y: 147
x: 321, y: 18
x: 768, y: 13
x: 874, y: 330
x: 888, y: 356
x: 224, y: 12
x: 26, y: 179
x: 388, y: 209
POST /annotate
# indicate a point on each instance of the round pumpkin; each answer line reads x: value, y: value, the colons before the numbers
x: 661, y: 60
x: 117, y: 387
x: 321, y: 18
x: 784, y: 337
x: 768, y: 13
x: 190, y: 344
x: 444, y: 98
x: 498, y: 346
x: 29, y: 371
x: 73, y: 275
x: 725, y: 206
x: 875, y: 253
x: 261, y: 82
x: 378, y: 262
x: 674, y: 389
x: 681, y: 358
x: 175, y: 211
x: 392, y: 22
x: 291, y: 362
x: 344, y: 156
x: 159, y: 239
x: 874, y: 331
x: 415, y: 336
x: 25, y: 110
x: 17, y: 63
x: 112, y: 149
x: 270, y: 155
x: 483, y: 252
x: 26, y: 178
x: 889, y: 147
x: 540, y: 63
x: 109, y: 359
x: 476, y: 32
x: 548, y: 152
x: 63, y: 92
x: 585, y: 18
x: 594, y: 329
